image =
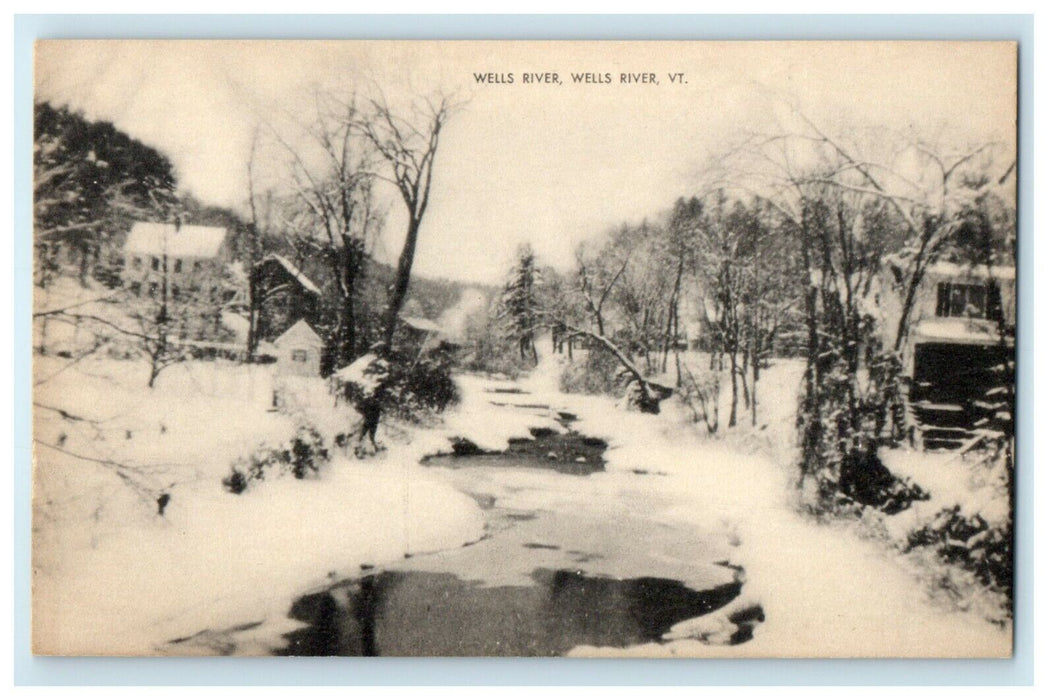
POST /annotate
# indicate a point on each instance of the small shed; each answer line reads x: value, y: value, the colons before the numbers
x: 298, y: 351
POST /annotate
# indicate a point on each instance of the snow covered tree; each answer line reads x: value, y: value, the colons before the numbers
x: 743, y: 266
x: 519, y: 306
x: 332, y: 214
x: 90, y: 181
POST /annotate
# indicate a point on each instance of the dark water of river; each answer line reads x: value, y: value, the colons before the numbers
x: 418, y: 613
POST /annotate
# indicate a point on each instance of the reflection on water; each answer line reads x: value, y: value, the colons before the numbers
x: 413, y: 613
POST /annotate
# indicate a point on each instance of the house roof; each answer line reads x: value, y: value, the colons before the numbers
x: 294, y: 271
x: 421, y: 324
x: 299, y: 334
x: 165, y: 239
x: 944, y: 268
x: 958, y: 330
x: 948, y: 269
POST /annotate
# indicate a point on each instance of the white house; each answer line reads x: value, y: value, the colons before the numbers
x: 298, y: 351
x: 186, y: 257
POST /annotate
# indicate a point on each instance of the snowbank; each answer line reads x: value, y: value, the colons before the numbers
x: 825, y: 591
x: 112, y: 576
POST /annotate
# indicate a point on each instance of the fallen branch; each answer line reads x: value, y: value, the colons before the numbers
x: 651, y: 392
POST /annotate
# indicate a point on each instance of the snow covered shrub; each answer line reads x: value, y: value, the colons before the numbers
x: 645, y: 396
x: 976, y: 532
x: 300, y: 456
x: 844, y: 416
x: 235, y: 482
x: 420, y: 382
x: 408, y: 383
x: 866, y: 480
x: 596, y: 372
x: 307, y: 451
x: 972, y: 543
x: 700, y: 396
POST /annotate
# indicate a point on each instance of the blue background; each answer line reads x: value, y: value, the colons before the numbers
x: 31, y: 670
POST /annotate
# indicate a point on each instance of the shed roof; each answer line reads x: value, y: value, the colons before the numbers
x: 944, y: 268
x: 294, y: 271
x: 421, y: 324
x: 300, y: 334
x: 165, y: 239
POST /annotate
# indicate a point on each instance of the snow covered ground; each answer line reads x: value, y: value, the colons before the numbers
x: 825, y: 590
x: 112, y: 576
x: 219, y: 570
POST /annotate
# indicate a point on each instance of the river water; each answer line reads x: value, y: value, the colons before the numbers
x: 573, y: 555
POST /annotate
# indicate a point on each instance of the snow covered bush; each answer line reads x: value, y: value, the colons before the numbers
x: 700, y: 395
x: 408, y: 383
x: 595, y: 372
x: 973, y: 531
x: 301, y: 456
x: 420, y: 382
x: 867, y: 481
x: 843, y: 418
x: 972, y: 543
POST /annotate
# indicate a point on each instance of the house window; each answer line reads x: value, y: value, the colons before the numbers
x: 154, y: 263
x: 175, y: 292
x: 153, y: 289
x: 135, y: 288
x: 300, y: 355
x: 137, y: 263
x: 968, y: 300
x: 178, y: 266
x: 197, y: 265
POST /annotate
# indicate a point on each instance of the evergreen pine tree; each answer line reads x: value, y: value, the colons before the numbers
x: 519, y: 304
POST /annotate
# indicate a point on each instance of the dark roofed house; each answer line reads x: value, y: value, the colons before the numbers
x: 286, y: 295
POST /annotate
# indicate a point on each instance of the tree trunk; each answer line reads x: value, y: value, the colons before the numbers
x: 732, y: 374
x: 653, y: 393
x: 402, y: 282
x: 82, y: 271
x: 252, y: 338
x: 672, y: 312
x: 754, y: 399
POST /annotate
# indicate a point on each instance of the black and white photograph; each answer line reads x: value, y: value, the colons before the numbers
x: 634, y: 349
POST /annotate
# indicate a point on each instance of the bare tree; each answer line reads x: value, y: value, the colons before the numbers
x: 408, y: 145
x: 333, y: 200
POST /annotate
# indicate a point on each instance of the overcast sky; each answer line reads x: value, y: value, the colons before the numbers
x: 546, y: 163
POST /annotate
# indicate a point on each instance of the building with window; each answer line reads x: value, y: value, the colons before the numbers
x: 185, y: 257
x: 298, y: 351
x: 959, y: 349
x: 284, y: 296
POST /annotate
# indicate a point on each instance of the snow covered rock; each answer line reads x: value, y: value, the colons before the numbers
x: 732, y: 624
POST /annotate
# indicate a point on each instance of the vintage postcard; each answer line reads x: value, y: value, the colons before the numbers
x: 524, y: 348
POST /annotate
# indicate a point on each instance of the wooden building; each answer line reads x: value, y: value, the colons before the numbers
x: 958, y: 353
x: 298, y: 351
x: 285, y: 296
